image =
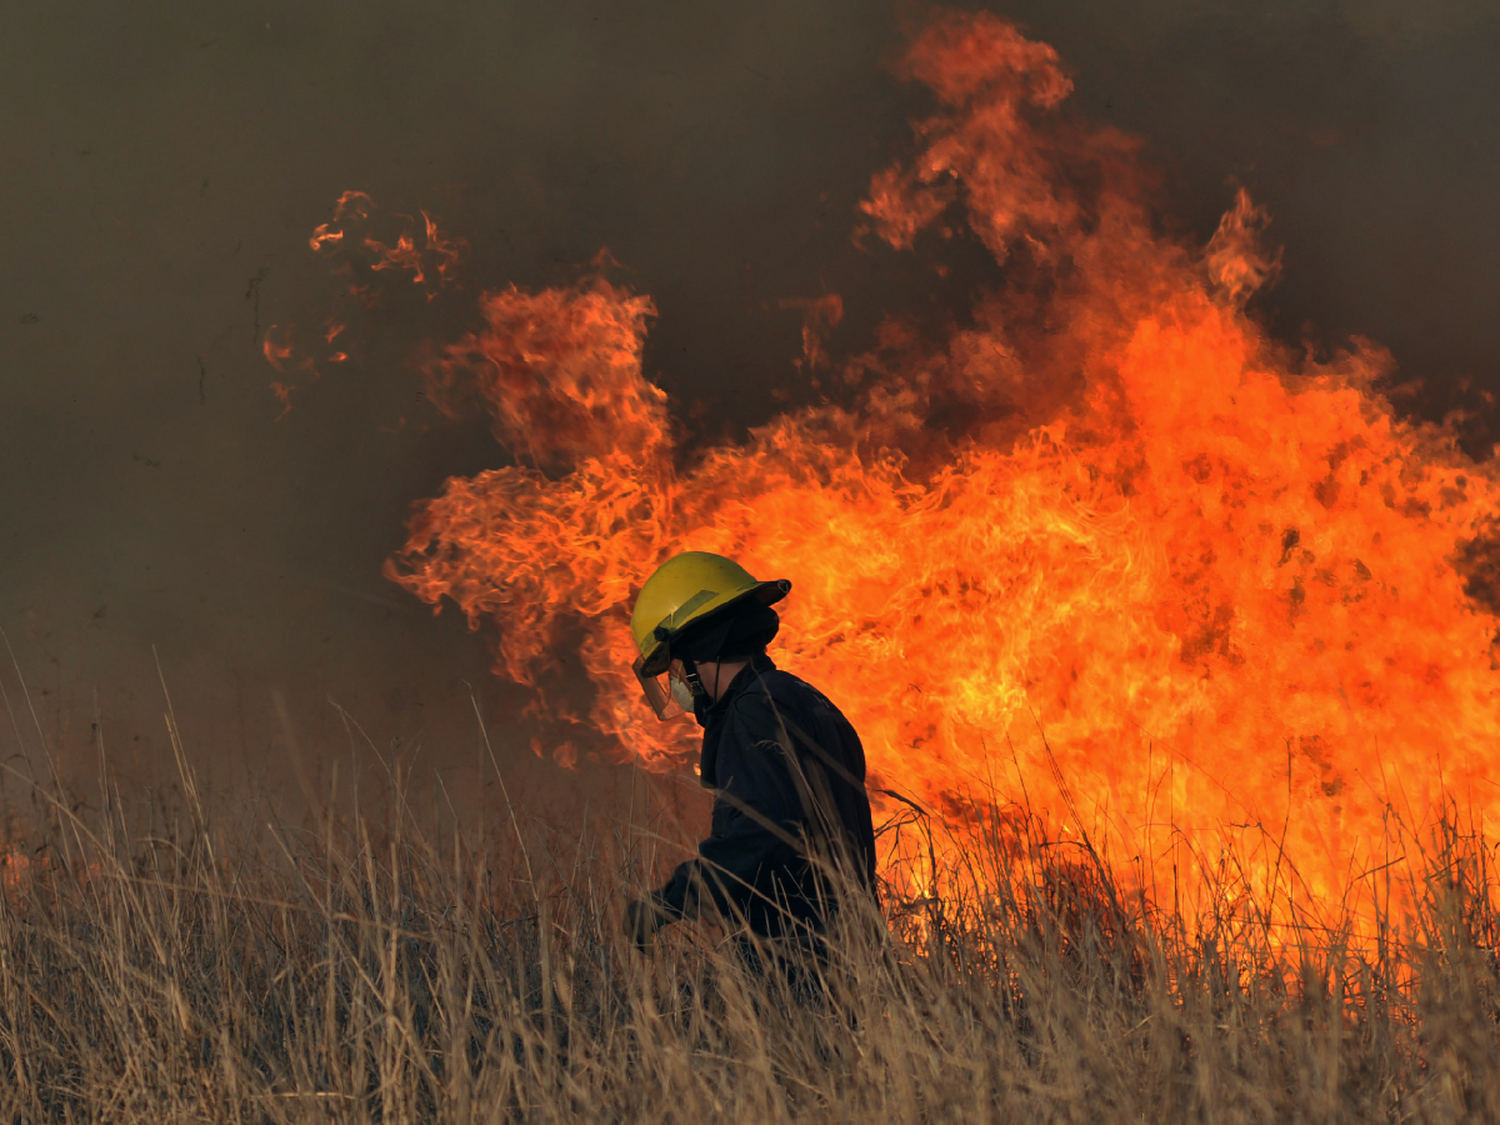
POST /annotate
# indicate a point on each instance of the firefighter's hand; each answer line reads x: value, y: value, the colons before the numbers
x: 642, y: 919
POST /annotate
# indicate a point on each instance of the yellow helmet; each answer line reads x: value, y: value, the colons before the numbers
x: 687, y: 589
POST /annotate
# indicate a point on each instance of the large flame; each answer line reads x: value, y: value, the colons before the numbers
x: 1106, y: 551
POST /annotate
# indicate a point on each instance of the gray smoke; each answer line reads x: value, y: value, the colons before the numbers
x: 165, y: 163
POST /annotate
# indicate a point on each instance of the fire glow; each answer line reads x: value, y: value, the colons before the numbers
x: 1165, y: 581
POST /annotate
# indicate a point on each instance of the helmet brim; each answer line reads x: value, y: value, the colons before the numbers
x: 656, y: 659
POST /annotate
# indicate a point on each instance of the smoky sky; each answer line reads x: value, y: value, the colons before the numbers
x: 165, y: 163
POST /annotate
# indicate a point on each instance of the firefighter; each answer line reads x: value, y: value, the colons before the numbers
x: 791, y: 820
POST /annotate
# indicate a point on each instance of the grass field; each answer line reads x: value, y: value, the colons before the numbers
x: 365, y: 968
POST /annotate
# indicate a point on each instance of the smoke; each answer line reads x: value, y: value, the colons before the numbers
x: 167, y: 162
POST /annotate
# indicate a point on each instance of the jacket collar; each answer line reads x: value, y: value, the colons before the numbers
x: 757, y: 667
x: 713, y: 720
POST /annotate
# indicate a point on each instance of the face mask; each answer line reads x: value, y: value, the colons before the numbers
x: 682, y: 693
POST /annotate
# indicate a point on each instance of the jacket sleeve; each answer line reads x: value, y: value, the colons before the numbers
x: 756, y: 821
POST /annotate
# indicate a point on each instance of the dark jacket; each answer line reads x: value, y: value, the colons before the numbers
x: 788, y: 771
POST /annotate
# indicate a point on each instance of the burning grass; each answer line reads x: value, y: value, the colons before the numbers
x: 1244, y: 595
x: 355, y: 967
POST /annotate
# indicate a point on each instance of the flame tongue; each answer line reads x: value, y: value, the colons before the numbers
x: 1221, y: 583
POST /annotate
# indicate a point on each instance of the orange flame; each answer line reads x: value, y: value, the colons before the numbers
x: 432, y: 266
x: 405, y: 255
x: 15, y: 869
x: 1164, y: 581
x: 283, y: 357
x: 820, y: 316
x: 277, y: 355
x: 321, y: 236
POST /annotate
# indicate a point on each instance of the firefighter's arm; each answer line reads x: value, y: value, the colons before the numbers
x: 755, y: 822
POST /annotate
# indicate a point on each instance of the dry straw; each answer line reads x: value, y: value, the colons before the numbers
x: 359, y: 967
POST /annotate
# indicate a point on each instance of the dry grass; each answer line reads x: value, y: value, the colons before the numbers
x: 355, y: 970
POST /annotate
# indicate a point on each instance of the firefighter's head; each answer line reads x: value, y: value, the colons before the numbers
x: 698, y: 608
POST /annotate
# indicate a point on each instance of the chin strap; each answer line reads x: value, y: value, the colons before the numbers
x: 702, y: 701
x: 692, y: 679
